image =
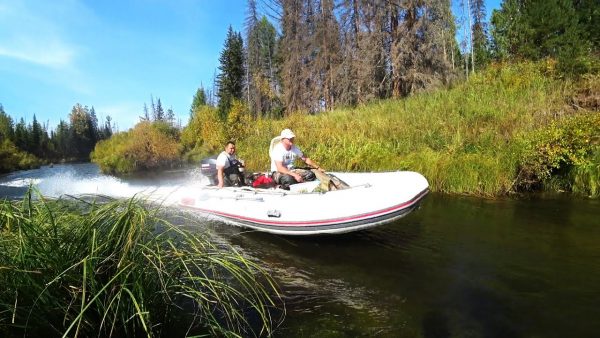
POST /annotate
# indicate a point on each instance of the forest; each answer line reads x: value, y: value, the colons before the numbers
x: 24, y: 146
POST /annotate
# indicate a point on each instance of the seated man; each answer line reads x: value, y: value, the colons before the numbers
x: 229, y: 169
x: 283, y: 155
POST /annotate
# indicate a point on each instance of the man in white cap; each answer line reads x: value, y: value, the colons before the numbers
x: 283, y: 155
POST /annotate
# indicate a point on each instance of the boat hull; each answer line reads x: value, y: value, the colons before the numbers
x: 372, y: 200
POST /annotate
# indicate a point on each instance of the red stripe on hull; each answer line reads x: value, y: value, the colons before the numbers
x: 323, y: 222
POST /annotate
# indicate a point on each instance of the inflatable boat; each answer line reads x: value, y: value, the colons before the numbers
x: 367, y: 200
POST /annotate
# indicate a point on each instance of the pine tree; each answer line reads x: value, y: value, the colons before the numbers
x: 159, y: 113
x: 480, y: 42
x: 170, y: 116
x: 198, y: 100
x: 146, y: 116
x: 46, y: 150
x: 62, y: 140
x: 108, y: 129
x: 252, y: 53
x: 93, y: 126
x: 21, y: 135
x: 261, y: 64
x: 553, y: 29
x: 506, y: 28
x: 7, y: 130
x: 588, y: 12
x: 231, y: 78
x: 153, y: 108
x: 35, y: 139
x: 537, y: 29
x: 80, y: 126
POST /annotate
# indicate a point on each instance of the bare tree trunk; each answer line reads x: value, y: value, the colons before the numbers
x: 452, y: 55
x: 471, y: 37
x: 444, y: 46
x: 465, y: 37
x: 394, y: 35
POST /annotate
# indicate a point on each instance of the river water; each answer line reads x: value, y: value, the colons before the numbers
x: 457, y: 267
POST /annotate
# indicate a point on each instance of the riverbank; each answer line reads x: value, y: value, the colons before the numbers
x: 511, y: 128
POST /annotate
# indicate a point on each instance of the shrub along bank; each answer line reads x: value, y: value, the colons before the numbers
x: 510, y: 128
x: 148, y: 146
x: 12, y: 158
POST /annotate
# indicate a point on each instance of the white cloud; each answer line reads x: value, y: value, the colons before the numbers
x: 51, y: 54
x: 30, y: 32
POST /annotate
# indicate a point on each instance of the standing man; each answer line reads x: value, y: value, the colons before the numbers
x: 229, y: 169
x: 283, y: 155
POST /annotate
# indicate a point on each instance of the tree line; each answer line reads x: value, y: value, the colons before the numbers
x: 71, y: 140
x: 324, y: 54
x: 332, y: 53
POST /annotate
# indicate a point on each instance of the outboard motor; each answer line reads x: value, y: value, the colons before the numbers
x: 208, y: 168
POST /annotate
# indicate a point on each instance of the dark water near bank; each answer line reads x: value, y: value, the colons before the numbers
x: 458, y: 267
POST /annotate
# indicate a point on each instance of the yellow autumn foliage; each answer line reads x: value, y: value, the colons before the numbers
x: 149, y: 145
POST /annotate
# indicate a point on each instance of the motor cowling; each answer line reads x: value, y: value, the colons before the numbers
x: 208, y: 168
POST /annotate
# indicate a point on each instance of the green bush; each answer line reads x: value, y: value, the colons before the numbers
x: 568, y: 147
x: 585, y: 177
x: 204, y: 133
x: 12, y: 158
x: 147, y: 146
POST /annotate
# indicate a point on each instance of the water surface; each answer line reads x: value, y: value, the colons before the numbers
x: 457, y: 267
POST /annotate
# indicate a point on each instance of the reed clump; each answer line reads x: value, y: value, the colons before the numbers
x: 71, y: 267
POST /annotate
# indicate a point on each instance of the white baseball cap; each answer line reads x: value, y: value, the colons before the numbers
x: 287, y: 133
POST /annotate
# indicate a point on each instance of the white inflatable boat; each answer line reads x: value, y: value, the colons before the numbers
x: 371, y: 199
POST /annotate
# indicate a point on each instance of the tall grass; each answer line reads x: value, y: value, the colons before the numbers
x: 469, y: 139
x: 77, y: 268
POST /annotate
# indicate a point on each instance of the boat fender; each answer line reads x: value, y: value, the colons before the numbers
x: 274, y: 213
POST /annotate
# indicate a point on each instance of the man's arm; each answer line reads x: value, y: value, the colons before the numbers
x: 284, y: 170
x: 311, y: 163
x: 220, y: 176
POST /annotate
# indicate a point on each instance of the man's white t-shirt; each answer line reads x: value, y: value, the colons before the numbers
x: 224, y: 159
x: 279, y: 153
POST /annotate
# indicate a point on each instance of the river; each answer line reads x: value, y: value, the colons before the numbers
x: 457, y: 267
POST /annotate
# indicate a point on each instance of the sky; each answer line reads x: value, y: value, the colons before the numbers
x: 114, y: 55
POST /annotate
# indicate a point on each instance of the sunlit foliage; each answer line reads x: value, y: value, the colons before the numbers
x: 147, y: 146
x: 203, y: 134
x: 12, y: 158
x: 479, y: 137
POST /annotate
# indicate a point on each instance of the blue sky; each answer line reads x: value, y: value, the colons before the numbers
x: 111, y: 54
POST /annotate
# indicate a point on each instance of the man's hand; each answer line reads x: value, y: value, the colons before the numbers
x: 297, y: 177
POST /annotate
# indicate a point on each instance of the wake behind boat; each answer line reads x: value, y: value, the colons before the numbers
x: 371, y: 199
